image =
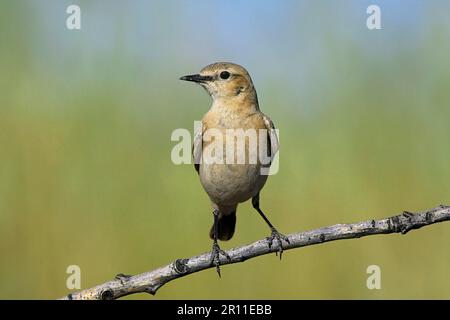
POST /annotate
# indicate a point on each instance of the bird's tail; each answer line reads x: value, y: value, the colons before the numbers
x: 226, y: 225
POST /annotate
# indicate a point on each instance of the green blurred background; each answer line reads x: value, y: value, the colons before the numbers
x: 86, y: 118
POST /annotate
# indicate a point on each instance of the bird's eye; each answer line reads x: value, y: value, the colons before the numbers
x: 224, y: 75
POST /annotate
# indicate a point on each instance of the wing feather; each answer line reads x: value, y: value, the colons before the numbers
x: 273, y: 142
x: 197, y: 147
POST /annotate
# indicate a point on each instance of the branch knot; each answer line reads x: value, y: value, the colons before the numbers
x: 180, y: 266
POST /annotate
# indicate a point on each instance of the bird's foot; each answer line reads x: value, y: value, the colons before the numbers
x: 278, y: 237
x: 215, y: 256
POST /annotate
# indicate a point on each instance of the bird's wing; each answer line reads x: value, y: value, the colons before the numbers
x: 197, y: 146
x: 272, y: 141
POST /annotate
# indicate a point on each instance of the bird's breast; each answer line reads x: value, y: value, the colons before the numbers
x: 230, y: 171
x: 229, y: 184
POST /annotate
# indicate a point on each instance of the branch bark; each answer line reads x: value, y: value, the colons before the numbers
x: 151, y: 281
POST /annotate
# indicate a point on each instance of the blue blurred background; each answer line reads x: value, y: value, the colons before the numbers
x: 86, y: 117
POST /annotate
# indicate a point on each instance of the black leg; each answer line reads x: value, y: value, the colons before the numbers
x: 216, y: 251
x: 275, y: 235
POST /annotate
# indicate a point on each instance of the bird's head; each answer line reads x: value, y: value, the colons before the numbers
x: 225, y: 81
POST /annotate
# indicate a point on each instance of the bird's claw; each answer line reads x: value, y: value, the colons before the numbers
x: 279, y: 237
x: 215, y: 256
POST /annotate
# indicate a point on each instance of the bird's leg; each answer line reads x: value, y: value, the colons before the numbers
x: 275, y: 235
x: 216, y: 250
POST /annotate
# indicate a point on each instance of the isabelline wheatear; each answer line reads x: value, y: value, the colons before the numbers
x: 235, y: 106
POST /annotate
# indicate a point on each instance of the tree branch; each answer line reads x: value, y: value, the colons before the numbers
x: 151, y: 281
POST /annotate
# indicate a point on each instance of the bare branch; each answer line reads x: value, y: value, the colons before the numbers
x: 151, y: 281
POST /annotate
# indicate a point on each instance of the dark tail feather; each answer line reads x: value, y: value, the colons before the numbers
x: 226, y: 227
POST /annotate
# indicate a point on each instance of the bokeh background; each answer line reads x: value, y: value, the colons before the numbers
x: 86, y: 118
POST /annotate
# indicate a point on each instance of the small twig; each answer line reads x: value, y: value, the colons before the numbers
x: 151, y: 281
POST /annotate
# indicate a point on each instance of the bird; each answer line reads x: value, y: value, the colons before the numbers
x: 234, y: 107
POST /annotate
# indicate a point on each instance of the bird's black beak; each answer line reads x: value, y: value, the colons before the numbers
x: 197, y: 78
